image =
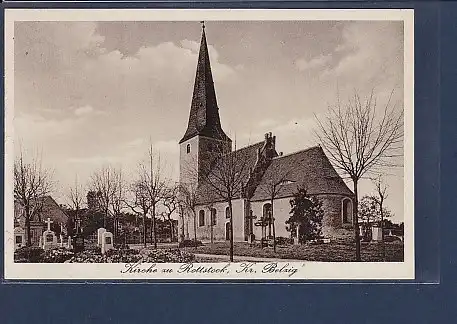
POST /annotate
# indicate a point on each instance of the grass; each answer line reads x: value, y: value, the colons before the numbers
x: 330, y: 252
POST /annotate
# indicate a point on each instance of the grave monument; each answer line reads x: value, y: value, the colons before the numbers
x: 49, y: 239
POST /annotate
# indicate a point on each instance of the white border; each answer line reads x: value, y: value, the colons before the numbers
x: 307, y: 270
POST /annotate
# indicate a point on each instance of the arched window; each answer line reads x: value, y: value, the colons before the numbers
x: 347, y: 211
x: 227, y: 212
x: 201, y: 218
x: 267, y: 216
x: 213, y: 216
x: 188, y: 148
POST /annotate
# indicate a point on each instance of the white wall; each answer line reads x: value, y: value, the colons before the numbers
x: 281, y: 209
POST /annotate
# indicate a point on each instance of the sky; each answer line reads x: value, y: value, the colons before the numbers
x: 88, y: 94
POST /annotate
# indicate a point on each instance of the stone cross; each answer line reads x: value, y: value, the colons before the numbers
x: 49, y: 223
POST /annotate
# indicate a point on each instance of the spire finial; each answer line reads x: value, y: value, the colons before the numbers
x: 203, y: 24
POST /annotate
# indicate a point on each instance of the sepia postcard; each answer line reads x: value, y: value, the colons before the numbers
x: 209, y: 144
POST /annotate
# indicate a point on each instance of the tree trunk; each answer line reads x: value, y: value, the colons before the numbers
x: 114, y: 229
x: 182, y: 227
x: 195, y: 229
x: 27, y: 228
x: 105, y: 216
x: 211, y: 224
x: 144, y: 229
x: 212, y: 235
x: 273, y: 221
x: 172, y: 231
x: 356, y: 220
x: 231, y: 229
x: 382, y: 231
x: 154, y: 226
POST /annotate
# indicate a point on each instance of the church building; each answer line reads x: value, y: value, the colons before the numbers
x: 205, y: 144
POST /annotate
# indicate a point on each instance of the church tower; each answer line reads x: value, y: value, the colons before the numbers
x: 204, y: 138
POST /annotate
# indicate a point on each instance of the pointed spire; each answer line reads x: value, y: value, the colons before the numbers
x: 204, y: 113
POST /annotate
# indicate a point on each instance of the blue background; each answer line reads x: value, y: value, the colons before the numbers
x: 436, y: 225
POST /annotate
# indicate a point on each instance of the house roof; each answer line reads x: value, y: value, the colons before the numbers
x: 204, y: 112
x: 309, y: 168
x: 50, y: 209
x: 244, y: 160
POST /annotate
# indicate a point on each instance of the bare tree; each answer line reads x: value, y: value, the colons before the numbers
x: 187, y: 197
x: 358, y: 140
x: 76, y: 200
x: 273, y: 186
x: 104, y: 184
x: 225, y: 177
x: 171, y: 203
x: 140, y: 202
x: 212, y: 220
x: 117, y: 200
x: 156, y: 188
x: 31, y: 183
x: 381, y: 191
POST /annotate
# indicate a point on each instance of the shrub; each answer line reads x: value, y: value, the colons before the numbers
x: 29, y: 254
x: 132, y: 256
x: 121, y: 246
x: 190, y: 243
x: 57, y: 255
x: 93, y: 248
x: 164, y: 256
x: 284, y: 240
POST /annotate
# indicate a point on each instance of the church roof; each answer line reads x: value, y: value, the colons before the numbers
x: 247, y: 156
x: 204, y: 113
x: 309, y: 168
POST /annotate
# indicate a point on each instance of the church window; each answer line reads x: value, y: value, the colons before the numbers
x: 213, y: 216
x: 188, y: 148
x: 347, y: 211
x: 227, y: 212
x: 201, y: 218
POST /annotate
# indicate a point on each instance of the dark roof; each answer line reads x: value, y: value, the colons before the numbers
x: 204, y: 112
x: 246, y: 156
x: 309, y: 168
x: 50, y: 209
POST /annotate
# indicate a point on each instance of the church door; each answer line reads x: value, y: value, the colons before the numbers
x: 227, y: 231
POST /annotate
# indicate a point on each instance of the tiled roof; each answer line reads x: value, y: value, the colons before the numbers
x: 204, y: 112
x: 246, y: 157
x: 310, y: 168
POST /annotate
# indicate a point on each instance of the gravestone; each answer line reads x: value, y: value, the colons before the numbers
x: 78, y: 243
x: 19, y: 238
x: 61, y: 244
x: 100, y: 232
x: 49, y: 238
x: 69, y: 245
x: 107, y: 242
x: 376, y: 233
